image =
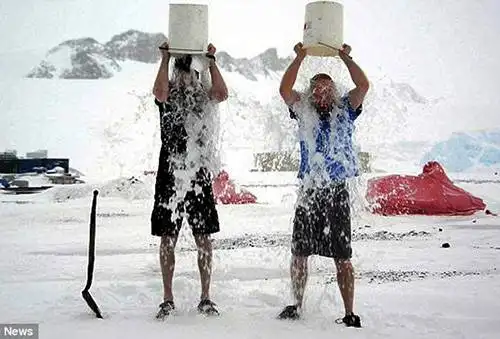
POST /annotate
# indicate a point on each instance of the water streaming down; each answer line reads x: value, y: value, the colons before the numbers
x: 307, y: 128
x: 189, y: 125
x: 325, y: 212
x: 206, y: 125
x: 194, y: 118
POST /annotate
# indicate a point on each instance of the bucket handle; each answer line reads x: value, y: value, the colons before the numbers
x: 334, y: 48
x: 328, y: 46
x: 163, y: 48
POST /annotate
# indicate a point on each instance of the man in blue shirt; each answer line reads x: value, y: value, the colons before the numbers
x: 322, y: 222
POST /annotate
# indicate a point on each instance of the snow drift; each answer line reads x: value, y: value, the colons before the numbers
x: 127, y: 188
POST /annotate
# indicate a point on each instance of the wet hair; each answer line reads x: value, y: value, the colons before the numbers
x: 320, y: 76
x: 183, y: 63
x: 312, y: 83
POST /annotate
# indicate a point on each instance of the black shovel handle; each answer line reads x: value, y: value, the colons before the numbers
x: 90, y: 268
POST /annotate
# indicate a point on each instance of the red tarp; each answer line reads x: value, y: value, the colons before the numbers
x: 225, y: 191
x: 430, y: 193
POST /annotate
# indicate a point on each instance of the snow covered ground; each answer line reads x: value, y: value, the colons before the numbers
x: 408, y: 285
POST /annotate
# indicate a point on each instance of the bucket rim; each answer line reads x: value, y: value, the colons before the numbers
x: 335, y: 3
x: 186, y: 51
x: 321, y: 44
x: 188, y: 5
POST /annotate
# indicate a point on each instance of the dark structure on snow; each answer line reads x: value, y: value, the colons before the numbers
x: 10, y: 164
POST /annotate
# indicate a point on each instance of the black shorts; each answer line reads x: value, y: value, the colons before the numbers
x: 322, y: 223
x: 197, y: 204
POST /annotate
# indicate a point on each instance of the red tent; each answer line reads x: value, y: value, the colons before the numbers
x: 225, y: 191
x: 429, y: 193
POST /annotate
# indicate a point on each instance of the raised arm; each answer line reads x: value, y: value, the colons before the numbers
x: 219, y: 90
x: 289, y: 95
x: 161, y: 87
x: 356, y: 95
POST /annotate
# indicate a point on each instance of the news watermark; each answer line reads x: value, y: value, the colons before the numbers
x: 19, y: 331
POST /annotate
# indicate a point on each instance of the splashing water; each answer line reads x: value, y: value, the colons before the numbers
x: 328, y: 141
x: 194, y: 118
x: 326, y: 137
x: 337, y: 70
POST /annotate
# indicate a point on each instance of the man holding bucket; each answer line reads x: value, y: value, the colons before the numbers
x: 184, y: 179
x: 322, y: 222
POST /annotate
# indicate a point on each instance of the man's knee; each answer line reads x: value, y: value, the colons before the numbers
x: 203, y: 242
x: 168, y: 244
x: 299, y: 261
x: 299, y: 258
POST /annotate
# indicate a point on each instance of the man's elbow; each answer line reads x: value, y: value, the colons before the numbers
x: 225, y: 94
x: 364, y: 86
x: 286, y: 95
x: 161, y: 95
x: 220, y: 96
x: 283, y: 90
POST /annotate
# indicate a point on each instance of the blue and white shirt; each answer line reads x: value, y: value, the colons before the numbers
x: 326, y: 146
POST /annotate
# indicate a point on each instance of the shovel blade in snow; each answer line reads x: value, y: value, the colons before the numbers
x: 92, y: 304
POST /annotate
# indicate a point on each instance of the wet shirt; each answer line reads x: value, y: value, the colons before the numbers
x: 326, y: 146
x: 174, y: 114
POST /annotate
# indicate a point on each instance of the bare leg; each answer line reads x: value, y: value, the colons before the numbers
x: 345, y: 280
x: 298, y: 272
x: 167, y: 262
x: 204, y: 263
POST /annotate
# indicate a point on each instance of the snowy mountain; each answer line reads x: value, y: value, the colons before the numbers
x: 266, y: 63
x: 83, y: 58
x: 101, y: 137
x: 135, y: 45
x: 87, y: 58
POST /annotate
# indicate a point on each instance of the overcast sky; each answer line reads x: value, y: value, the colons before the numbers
x: 441, y: 47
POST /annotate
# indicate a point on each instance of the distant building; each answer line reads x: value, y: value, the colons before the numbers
x: 289, y: 161
x: 11, y: 151
x: 19, y: 166
x: 40, y: 154
x: 8, y: 154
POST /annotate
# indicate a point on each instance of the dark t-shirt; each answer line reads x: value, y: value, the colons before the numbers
x: 180, y: 103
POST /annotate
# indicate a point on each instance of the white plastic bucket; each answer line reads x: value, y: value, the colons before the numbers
x: 323, y: 28
x: 188, y: 29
